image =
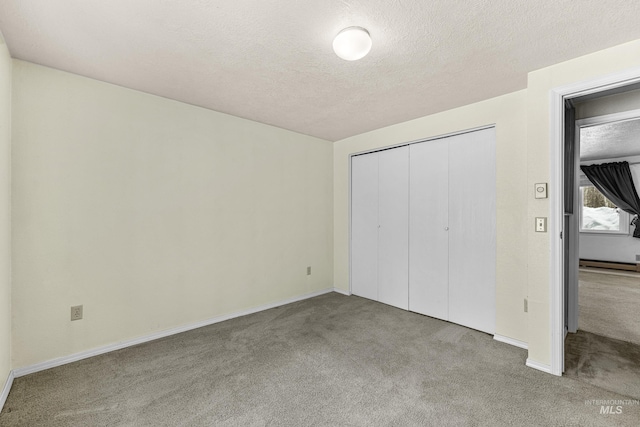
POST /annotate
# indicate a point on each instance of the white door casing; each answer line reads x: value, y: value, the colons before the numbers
x: 557, y: 97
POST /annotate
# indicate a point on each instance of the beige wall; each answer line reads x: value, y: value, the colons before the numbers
x: 508, y: 113
x: 5, y: 212
x: 540, y: 83
x: 153, y: 214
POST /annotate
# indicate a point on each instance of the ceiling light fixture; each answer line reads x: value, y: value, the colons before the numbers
x: 352, y: 43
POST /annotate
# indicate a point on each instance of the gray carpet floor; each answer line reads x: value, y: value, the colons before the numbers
x: 609, y: 305
x: 604, y: 362
x: 328, y: 361
x: 606, y: 350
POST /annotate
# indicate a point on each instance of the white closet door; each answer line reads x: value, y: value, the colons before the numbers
x: 472, y: 230
x: 428, y: 223
x: 393, y: 234
x: 364, y: 225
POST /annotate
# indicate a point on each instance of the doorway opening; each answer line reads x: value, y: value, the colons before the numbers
x: 602, y: 283
x: 561, y: 265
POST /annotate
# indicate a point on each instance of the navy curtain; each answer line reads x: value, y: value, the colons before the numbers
x: 615, y: 182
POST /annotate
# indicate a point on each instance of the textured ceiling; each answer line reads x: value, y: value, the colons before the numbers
x: 272, y: 61
x: 610, y: 140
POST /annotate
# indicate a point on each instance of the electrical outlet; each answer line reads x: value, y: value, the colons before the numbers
x: 637, y: 258
x: 526, y: 305
x: 76, y: 312
x: 308, y: 271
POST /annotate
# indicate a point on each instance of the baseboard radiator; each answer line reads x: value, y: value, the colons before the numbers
x: 610, y: 265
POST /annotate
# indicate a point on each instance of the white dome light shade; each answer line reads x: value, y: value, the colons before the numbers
x: 352, y: 43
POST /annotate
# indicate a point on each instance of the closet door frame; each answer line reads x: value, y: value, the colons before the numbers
x: 387, y: 147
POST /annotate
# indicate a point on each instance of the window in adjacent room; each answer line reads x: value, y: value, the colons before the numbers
x: 599, y: 215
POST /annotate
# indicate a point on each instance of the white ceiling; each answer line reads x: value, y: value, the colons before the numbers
x: 610, y: 140
x: 271, y: 60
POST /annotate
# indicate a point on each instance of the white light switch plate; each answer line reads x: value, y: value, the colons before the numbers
x: 541, y: 190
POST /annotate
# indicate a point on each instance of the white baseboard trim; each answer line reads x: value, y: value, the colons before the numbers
x: 511, y: 341
x: 6, y: 389
x: 26, y: 370
x: 340, y: 291
x: 539, y: 366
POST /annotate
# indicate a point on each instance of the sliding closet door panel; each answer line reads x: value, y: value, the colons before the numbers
x: 393, y: 234
x: 472, y: 230
x: 428, y: 223
x: 364, y: 225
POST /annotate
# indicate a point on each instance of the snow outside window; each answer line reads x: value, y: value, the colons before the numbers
x: 599, y: 215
